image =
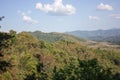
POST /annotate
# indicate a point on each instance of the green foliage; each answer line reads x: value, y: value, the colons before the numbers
x: 91, y: 70
x: 6, y: 76
x: 24, y: 57
x: 5, y: 40
x: 27, y: 65
x: 5, y: 43
x: 13, y: 34
x: 42, y: 44
x: 42, y: 75
x: 85, y: 70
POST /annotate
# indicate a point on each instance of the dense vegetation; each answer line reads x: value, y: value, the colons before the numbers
x: 24, y: 57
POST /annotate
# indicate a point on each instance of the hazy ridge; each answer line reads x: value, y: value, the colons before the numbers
x: 111, y: 35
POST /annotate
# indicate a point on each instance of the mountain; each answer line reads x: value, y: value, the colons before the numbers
x: 55, y: 36
x: 111, y: 35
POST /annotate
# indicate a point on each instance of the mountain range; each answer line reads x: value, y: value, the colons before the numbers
x: 111, y: 35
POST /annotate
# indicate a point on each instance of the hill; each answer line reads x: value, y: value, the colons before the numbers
x: 54, y: 36
x: 111, y: 35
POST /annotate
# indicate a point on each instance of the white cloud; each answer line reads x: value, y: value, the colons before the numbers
x: 104, y: 7
x: 26, y: 18
x: 116, y: 16
x: 29, y: 19
x: 23, y: 13
x: 94, y: 18
x: 57, y: 8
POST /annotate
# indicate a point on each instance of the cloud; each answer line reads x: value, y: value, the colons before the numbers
x: 57, y: 8
x: 104, y: 7
x: 94, y: 18
x: 23, y: 13
x: 116, y: 16
x: 29, y: 19
x: 26, y: 18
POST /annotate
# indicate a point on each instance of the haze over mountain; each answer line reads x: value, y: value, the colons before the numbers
x: 111, y: 35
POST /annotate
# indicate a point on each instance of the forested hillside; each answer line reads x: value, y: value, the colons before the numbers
x: 55, y: 36
x: 24, y: 57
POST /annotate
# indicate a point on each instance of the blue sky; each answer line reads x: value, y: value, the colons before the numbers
x: 59, y: 15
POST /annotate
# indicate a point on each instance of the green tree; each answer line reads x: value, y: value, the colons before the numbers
x: 13, y: 34
x: 91, y: 70
x: 86, y: 70
x: 27, y: 66
x: 5, y: 43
